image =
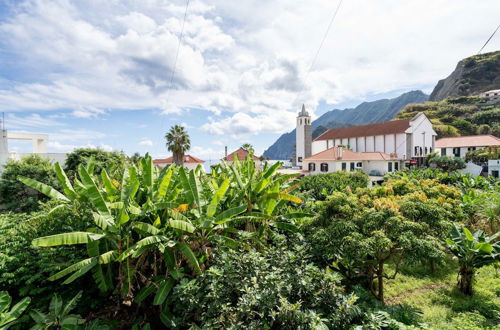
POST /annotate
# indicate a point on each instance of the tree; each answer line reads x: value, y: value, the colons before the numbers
x: 248, y: 147
x: 178, y: 142
x: 135, y: 157
x: 448, y: 163
x: 14, y: 195
x: 473, y: 251
x: 111, y: 160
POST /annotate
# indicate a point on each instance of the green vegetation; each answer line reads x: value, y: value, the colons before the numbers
x: 111, y: 160
x: 8, y: 315
x: 482, y: 155
x: 247, y: 247
x: 178, y: 142
x: 17, y: 197
x: 446, y: 163
x: 458, y: 116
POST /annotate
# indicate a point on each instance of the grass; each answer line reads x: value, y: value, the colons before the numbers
x: 442, y: 306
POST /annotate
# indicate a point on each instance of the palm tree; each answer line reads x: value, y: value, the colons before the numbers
x: 178, y: 143
x: 248, y: 147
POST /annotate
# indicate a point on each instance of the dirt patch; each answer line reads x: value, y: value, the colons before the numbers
x: 396, y: 299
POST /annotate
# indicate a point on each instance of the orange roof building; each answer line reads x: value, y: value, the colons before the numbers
x: 458, y: 146
x: 241, y: 153
x: 190, y: 162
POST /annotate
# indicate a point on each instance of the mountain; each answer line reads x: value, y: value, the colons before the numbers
x: 365, y: 113
x: 472, y: 75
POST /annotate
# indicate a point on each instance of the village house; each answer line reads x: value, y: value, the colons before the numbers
x: 241, y: 154
x: 373, y: 148
x: 190, y: 162
x: 339, y: 158
x: 458, y: 146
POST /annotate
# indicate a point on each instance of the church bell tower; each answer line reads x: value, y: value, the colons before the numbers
x: 303, y: 135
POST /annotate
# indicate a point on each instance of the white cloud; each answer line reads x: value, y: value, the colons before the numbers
x: 145, y: 143
x: 13, y: 121
x: 120, y: 55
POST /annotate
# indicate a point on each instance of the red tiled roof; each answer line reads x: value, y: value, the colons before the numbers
x: 170, y: 160
x: 242, y: 155
x: 333, y: 153
x: 388, y: 127
x: 468, y: 141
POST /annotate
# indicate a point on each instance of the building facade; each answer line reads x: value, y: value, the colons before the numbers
x: 303, y: 136
x: 190, y: 162
x: 458, y: 146
x: 405, y: 139
x: 241, y: 154
x: 339, y: 158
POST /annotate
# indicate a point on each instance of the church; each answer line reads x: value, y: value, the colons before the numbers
x: 376, y: 149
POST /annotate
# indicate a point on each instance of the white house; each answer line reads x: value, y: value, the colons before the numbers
x: 492, y: 95
x: 38, y: 142
x: 190, y: 162
x: 458, y: 146
x: 339, y: 158
x: 494, y: 168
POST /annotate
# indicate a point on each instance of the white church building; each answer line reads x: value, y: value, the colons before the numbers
x: 374, y: 148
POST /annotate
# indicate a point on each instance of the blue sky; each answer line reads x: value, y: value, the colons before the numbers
x: 97, y: 73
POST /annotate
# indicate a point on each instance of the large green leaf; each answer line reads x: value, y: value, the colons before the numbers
x: 43, y: 188
x: 164, y: 183
x: 74, y: 267
x: 108, y: 183
x: 7, y: 317
x: 65, y: 183
x: 163, y: 291
x: 190, y: 257
x: 93, y: 192
x: 76, y: 237
x: 212, y: 207
x: 228, y: 214
x: 5, y: 301
x: 147, y: 228
x: 283, y: 196
x: 144, y: 293
x: 181, y: 225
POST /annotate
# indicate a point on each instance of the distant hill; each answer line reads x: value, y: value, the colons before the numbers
x: 472, y: 75
x: 365, y: 113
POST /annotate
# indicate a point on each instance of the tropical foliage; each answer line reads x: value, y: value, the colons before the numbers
x: 9, y: 315
x: 473, y: 250
x: 14, y: 195
x: 319, y: 187
x: 178, y: 142
x: 111, y: 160
x: 447, y: 164
x: 59, y: 316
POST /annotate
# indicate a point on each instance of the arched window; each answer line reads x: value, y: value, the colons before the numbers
x: 324, y: 167
x: 312, y: 167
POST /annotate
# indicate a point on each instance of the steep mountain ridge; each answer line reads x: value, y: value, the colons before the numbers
x: 364, y: 113
x: 471, y: 76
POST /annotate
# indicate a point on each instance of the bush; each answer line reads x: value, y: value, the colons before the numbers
x: 15, y: 195
x: 276, y: 289
x: 322, y: 185
x: 103, y: 159
x: 448, y: 163
x: 486, y: 117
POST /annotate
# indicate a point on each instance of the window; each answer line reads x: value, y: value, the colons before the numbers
x: 359, y: 165
x: 299, y: 159
x: 416, y: 151
x: 430, y: 150
x: 396, y: 166
x: 352, y: 167
x: 494, y: 173
x: 389, y: 166
x: 344, y: 166
x: 324, y: 167
x: 471, y: 148
x: 426, y: 150
x: 443, y: 151
x: 312, y: 167
x: 456, y: 152
x: 420, y: 151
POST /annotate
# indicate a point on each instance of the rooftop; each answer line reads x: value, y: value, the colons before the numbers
x: 241, y: 153
x: 468, y: 141
x: 388, y: 127
x: 187, y: 159
x: 333, y: 154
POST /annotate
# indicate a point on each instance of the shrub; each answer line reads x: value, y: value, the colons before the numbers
x: 448, y: 163
x: 16, y: 196
x: 102, y: 159
x: 322, y: 185
x: 486, y: 117
x: 278, y: 288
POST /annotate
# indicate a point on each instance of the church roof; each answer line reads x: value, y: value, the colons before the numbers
x: 388, y: 127
x: 333, y: 154
x: 303, y: 112
x: 468, y: 141
x: 241, y: 153
x: 187, y: 159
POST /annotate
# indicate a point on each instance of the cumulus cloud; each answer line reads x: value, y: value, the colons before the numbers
x: 145, y: 143
x: 252, y: 69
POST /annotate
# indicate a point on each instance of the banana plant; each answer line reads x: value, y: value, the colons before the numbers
x: 8, y: 316
x: 59, y: 316
x: 131, y: 223
x: 473, y: 250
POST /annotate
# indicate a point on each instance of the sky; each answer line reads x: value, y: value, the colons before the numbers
x: 103, y: 73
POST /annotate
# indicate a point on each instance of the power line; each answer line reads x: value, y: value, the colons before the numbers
x: 319, y: 49
x: 489, y: 39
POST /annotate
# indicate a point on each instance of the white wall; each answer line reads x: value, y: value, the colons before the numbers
x: 422, y: 132
x: 318, y: 146
x: 493, y: 165
x: 367, y: 166
x: 401, y: 145
x: 449, y: 151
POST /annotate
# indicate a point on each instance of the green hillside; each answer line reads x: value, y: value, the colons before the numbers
x: 458, y: 116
